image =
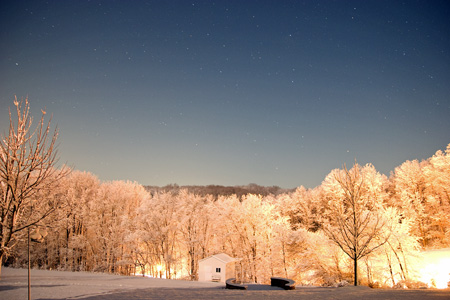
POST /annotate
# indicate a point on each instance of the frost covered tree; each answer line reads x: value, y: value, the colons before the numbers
x: 28, y: 158
x: 316, y: 259
x: 195, y: 228
x: 355, y: 201
x: 91, y: 231
x: 302, y: 206
x: 401, y: 249
x: 110, y: 215
x: 421, y: 192
x: 392, y: 263
x: 248, y: 228
x: 411, y: 198
x: 158, y: 219
x: 437, y: 174
x: 81, y: 189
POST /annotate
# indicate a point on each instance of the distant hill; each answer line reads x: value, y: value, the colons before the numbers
x: 220, y: 190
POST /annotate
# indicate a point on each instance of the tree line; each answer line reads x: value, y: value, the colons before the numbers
x: 316, y: 236
x: 358, y: 226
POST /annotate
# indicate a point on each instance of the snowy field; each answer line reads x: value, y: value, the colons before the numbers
x: 80, y: 285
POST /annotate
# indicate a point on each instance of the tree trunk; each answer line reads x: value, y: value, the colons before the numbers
x: 1, y: 262
x: 284, y: 260
x: 403, y: 275
x: 355, y: 265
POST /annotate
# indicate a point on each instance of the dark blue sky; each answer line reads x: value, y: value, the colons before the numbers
x: 231, y: 92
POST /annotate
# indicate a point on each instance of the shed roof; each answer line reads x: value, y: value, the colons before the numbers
x: 225, y: 258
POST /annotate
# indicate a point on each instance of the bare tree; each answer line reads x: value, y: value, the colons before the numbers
x: 27, y: 169
x: 356, y: 224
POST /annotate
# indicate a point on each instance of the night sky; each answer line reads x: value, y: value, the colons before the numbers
x: 231, y: 92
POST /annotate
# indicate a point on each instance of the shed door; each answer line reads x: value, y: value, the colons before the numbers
x: 208, y: 273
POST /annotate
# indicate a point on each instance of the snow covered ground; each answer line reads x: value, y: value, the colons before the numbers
x: 81, y: 285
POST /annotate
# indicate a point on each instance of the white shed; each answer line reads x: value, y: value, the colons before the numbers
x: 217, y: 268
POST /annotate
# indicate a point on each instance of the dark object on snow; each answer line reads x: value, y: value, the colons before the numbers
x: 232, y: 285
x: 284, y: 283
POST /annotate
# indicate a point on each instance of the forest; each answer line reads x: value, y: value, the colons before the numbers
x: 314, y: 236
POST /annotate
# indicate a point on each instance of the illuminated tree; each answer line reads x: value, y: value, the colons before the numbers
x: 355, y: 201
x: 317, y: 260
x: 302, y: 206
x: 249, y: 228
x: 108, y: 221
x: 158, y: 219
x: 411, y: 198
x: 69, y: 239
x: 27, y: 167
x: 437, y: 174
x: 195, y: 228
